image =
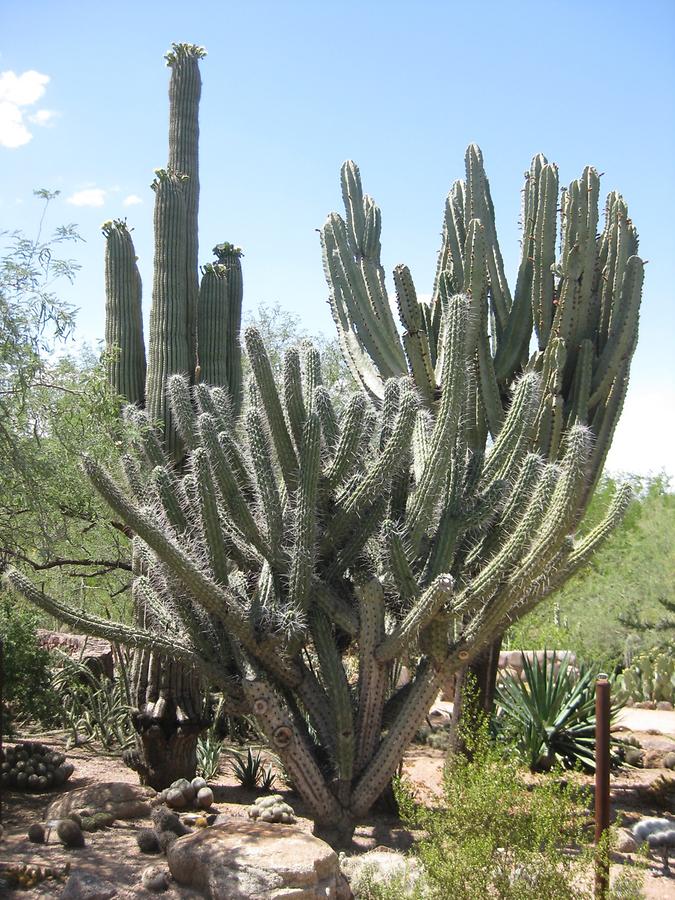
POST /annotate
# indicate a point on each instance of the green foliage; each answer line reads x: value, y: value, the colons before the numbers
x: 94, y: 709
x: 28, y: 693
x: 550, y: 714
x: 595, y: 613
x: 209, y: 750
x: 251, y: 771
x: 494, y: 836
x: 650, y: 676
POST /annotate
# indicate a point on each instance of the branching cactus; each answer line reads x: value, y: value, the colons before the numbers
x: 194, y: 330
x: 300, y: 554
x: 557, y: 349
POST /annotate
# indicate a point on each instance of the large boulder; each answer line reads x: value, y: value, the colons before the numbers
x: 250, y: 861
x: 120, y: 799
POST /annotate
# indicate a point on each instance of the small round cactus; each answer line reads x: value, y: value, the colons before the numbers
x: 272, y: 809
x: 147, y: 840
x: 70, y: 833
x: 205, y: 798
x: 36, y: 834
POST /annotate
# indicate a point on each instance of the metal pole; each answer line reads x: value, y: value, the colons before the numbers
x: 602, y: 707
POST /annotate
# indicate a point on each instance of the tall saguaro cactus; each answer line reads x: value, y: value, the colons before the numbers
x: 168, y: 697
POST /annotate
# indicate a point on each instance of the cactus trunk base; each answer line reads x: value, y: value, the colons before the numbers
x: 338, y: 834
x: 162, y: 758
x: 475, y: 686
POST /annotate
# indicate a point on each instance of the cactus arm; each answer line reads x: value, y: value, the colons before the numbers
x: 125, y: 361
x: 415, y: 339
x: 623, y: 329
x: 513, y: 438
x: 373, y: 675
x: 293, y: 398
x: 168, y: 497
x: 304, y: 537
x: 323, y: 406
x: 337, y: 687
x: 184, y: 94
x: 168, y: 350
x: 423, y: 610
x: 262, y: 370
x: 386, y: 759
x: 210, y: 519
x: 229, y: 257
x: 399, y: 565
x: 336, y: 608
x: 267, y: 485
x: 346, y: 455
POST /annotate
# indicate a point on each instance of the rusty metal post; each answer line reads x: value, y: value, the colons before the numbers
x: 602, y: 707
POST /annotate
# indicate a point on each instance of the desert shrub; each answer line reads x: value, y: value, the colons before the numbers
x: 27, y: 683
x: 496, y: 836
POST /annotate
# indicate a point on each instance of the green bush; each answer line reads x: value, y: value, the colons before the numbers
x: 27, y: 681
x: 495, y: 836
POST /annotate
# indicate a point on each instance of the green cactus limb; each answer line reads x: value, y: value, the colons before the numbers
x: 262, y: 370
x: 230, y: 489
x: 423, y: 610
x: 229, y: 257
x: 581, y: 386
x: 294, y: 400
x: 182, y: 410
x: 261, y: 454
x: 337, y: 687
x: 169, y: 346
x: 350, y: 442
x: 447, y: 421
x: 184, y: 95
x: 304, y: 530
x: 212, y: 326
x: 383, y: 764
x: 544, y: 254
x: 336, y: 607
x: 373, y: 675
x: 347, y: 553
x: 623, y: 329
x: 205, y: 403
x: 147, y: 438
x: 323, y: 406
x: 513, y: 440
x: 210, y: 519
x: 125, y: 360
x: 289, y: 744
x: 165, y: 486
x: 415, y: 340
x: 398, y: 560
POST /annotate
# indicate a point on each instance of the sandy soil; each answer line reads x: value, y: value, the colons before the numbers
x: 113, y: 854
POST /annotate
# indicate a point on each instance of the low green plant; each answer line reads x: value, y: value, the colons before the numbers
x: 209, y: 749
x: 550, y: 715
x: 28, y: 694
x: 94, y: 708
x: 251, y: 771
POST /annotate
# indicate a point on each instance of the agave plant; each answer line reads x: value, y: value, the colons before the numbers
x: 250, y: 770
x: 551, y: 714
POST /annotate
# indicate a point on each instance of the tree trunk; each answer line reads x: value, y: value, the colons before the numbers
x: 475, y: 686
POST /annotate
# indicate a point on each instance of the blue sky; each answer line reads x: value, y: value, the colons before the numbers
x: 292, y: 89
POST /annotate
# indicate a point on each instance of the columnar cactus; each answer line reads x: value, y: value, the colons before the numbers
x: 558, y: 347
x: 271, y: 558
x: 194, y: 330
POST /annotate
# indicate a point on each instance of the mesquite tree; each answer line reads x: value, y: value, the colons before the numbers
x: 194, y: 328
x: 572, y: 320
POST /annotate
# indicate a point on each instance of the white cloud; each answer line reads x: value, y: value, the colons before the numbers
x: 43, y: 117
x: 87, y: 197
x: 645, y: 436
x: 17, y: 91
x: 132, y: 200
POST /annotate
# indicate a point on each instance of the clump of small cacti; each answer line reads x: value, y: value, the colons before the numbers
x: 29, y: 876
x: 184, y: 794
x: 272, y: 809
x: 659, y: 834
x: 648, y: 678
x: 30, y: 766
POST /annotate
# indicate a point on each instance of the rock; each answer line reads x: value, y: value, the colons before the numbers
x: 88, y: 887
x: 121, y: 800
x: 625, y: 842
x: 669, y: 760
x: 95, y: 653
x: 243, y: 861
x: 155, y: 879
x: 645, y: 704
x: 664, y: 704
